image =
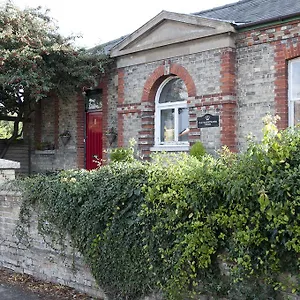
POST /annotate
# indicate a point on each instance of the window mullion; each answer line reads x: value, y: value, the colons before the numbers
x: 176, y: 124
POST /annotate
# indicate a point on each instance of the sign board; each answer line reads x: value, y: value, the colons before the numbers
x: 208, y: 120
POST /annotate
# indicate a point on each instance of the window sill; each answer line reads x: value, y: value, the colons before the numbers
x: 170, y: 148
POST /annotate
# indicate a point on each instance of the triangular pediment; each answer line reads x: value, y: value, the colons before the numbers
x: 170, y: 28
x: 166, y: 32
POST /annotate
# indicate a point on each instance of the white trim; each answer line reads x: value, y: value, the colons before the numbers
x: 173, y: 148
x: 291, y: 101
x: 157, y: 119
x: 176, y: 122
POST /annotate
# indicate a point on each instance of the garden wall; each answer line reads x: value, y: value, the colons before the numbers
x: 39, y: 259
x: 18, y: 151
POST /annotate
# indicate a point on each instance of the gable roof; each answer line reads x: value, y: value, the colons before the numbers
x: 253, y: 11
x: 168, y: 28
x: 105, y: 48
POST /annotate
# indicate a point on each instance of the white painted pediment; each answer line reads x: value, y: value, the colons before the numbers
x: 170, y: 28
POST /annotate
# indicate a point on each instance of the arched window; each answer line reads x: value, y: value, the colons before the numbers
x: 171, y: 114
x: 294, y: 92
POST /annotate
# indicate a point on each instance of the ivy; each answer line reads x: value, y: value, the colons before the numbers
x: 99, y: 211
x: 226, y: 227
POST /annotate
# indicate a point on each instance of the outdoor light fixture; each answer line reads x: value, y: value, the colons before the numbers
x: 65, y: 137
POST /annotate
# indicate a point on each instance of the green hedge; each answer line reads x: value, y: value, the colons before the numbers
x: 225, y: 227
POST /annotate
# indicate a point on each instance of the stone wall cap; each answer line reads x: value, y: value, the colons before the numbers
x: 9, y: 164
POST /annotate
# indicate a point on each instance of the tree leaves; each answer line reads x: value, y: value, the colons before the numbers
x: 36, y: 61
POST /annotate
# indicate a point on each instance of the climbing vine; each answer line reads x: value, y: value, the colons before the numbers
x: 227, y: 227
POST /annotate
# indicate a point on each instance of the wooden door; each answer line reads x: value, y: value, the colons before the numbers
x: 93, y: 139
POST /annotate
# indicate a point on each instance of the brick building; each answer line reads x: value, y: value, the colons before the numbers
x: 208, y: 76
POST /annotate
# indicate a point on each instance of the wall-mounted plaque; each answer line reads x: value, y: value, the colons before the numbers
x: 208, y: 120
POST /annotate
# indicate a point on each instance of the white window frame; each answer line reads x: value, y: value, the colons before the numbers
x: 290, y: 89
x: 168, y: 146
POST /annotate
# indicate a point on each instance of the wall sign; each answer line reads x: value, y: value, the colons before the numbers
x: 208, y: 120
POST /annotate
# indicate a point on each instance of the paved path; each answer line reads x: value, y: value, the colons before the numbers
x: 10, y: 292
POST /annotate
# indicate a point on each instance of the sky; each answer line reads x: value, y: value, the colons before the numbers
x: 102, y: 21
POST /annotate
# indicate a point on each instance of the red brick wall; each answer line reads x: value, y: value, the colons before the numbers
x: 120, y: 103
x: 37, y: 124
x: 228, y: 88
x: 56, y: 122
x: 80, y: 119
x: 283, y: 52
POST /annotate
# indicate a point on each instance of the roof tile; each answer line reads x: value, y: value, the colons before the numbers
x: 252, y: 11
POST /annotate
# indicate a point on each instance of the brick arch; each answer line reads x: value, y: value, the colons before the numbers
x: 146, y: 134
x: 160, y: 74
x: 283, y: 53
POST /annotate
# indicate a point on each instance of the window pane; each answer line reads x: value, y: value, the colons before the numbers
x: 167, y: 125
x: 296, y: 113
x: 183, y: 124
x: 295, y: 80
x: 175, y: 90
x: 94, y: 99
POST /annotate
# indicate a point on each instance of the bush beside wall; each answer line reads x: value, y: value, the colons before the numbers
x: 226, y: 227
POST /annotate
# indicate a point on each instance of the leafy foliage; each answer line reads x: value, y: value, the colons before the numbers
x: 227, y: 227
x: 121, y: 154
x: 197, y: 150
x: 36, y: 61
x: 102, y: 220
x: 7, y: 128
x: 124, y: 154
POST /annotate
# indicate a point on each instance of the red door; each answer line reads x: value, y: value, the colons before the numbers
x: 93, y: 139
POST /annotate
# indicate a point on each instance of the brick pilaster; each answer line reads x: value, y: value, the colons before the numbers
x: 120, y: 86
x: 120, y: 129
x: 228, y: 91
x: 146, y: 134
x: 228, y: 126
x: 121, y: 101
x: 56, y: 122
x: 37, y: 124
x: 80, y: 131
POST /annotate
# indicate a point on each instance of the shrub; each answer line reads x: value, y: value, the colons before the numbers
x: 182, y: 243
x: 225, y: 227
x: 124, y: 154
x: 121, y: 154
x: 197, y: 150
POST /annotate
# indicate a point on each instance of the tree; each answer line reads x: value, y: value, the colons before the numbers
x: 36, y: 61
